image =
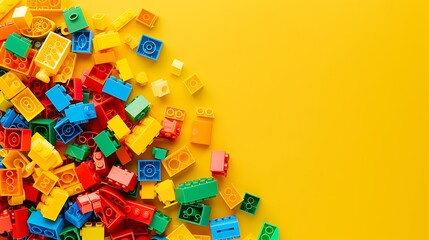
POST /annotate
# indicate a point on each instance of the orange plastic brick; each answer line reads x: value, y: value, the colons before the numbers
x: 11, y: 85
x: 175, y: 113
x: 10, y: 182
x: 40, y: 27
x: 6, y: 29
x: 230, y: 195
x: 27, y: 104
x: 104, y: 57
x: 45, y: 182
x: 68, y: 179
x: 66, y: 70
x: 21, y: 65
x: 147, y: 18
x: 15, y: 159
x: 193, y: 83
x: 178, y: 161
x: 201, y: 132
x: 205, y: 112
x: 180, y: 233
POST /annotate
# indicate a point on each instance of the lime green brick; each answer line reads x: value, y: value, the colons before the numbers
x: 44, y: 127
x: 137, y: 109
x: 77, y: 152
x: 197, y: 190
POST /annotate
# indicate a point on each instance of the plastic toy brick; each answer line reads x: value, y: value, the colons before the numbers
x: 40, y: 27
x: 138, y: 108
x: 70, y: 233
x: 107, y: 143
x: 4, y: 103
x: 149, y: 170
x: 27, y: 104
x: 45, y: 182
x: 147, y: 18
x: 44, y: 127
x: 68, y: 179
x: 166, y: 194
x: 66, y: 131
x: 219, y: 163
x: 85, y: 205
x: 142, y: 79
x: 74, y: 89
x: 16, y: 200
x: 175, y: 113
x: 63, y: 30
x: 6, y: 29
x: 75, y: 19
x: 38, y: 88
x: 139, y: 211
x: 74, y: 216
x: 97, y: 76
x: 197, y: 190
x: 22, y: 17
x: 15, y: 159
x: 17, y: 139
x: 202, y: 237
x: 118, y: 127
x: 103, y: 41
x: 201, y: 132
x: 66, y: 70
x: 43, y: 153
x: 51, y: 205
x: 159, y: 222
x: 12, y: 119
x: 92, y: 232
x: 77, y: 152
x: 50, y: 111
x: 205, y: 112
x: 82, y: 41
x: 46, y: 7
x: 176, y: 67
x: 51, y: 55
x: 121, y: 179
x: 147, y: 190
x: 85, y: 97
x: 114, y: 196
x: 159, y: 153
x: 21, y: 65
x: 80, y: 112
x: 193, y: 84
x: 123, y: 154
x: 231, y: 196
x: 106, y: 110
x: 109, y: 213
x: 198, y: 213
x: 123, y: 19
x: 87, y: 175
x: 59, y: 97
x: 179, y: 233
x: 131, y: 41
x: 250, y: 204
x: 160, y: 88
x: 268, y: 232
x: 149, y: 47
x: 31, y: 193
x: 99, y: 21
x: 11, y: 182
x: 7, y: 6
x: 170, y: 129
x: 117, y: 88
x: 19, y: 223
x: 124, y: 69
x: 11, y: 85
x: 142, y: 135
x: 45, y: 227
x: 225, y: 228
x: 102, y: 166
x: 104, y: 57
x: 178, y: 161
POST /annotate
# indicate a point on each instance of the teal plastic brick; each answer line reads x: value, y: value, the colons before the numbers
x: 268, y: 232
x: 70, y: 233
x: 250, y: 203
x: 197, y: 190
x: 159, y: 153
x: 75, y: 19
x: 137, y: 109
x: 107, y: 143
x: 44, y: 127
x: 77, y: 152
x: 198, y: 213
x: 19, y: 46
x: 159, y: 222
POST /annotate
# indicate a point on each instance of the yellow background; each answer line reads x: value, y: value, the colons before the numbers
x: 321, y: 104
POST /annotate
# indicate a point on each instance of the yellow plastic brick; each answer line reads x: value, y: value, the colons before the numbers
x: 166, y: 193
x: 176, y: 67
x: 4, y: 103
x: 6, y: 6
x: 180, y: 233
x: 124, y: 69
x: 11, y: 85
x: 142, y: 79
x: 147, y: 190
x: 15, y: 159
x: 22, y: 17
x: 118, y: 127
x: 43, y: 153
x: 92, y: 232
x: 50, y: 205
x: 131, y: 41
x: 123, y: 19
x: 193, y: 83
x: 175, y: 113
x: 178, y: 161
x: 230, y: 195
x: 45, y: 182
x: 27, y: 104
x: 99, y: 21
x: 47, y: 7
x: 205, y: 112
x: 106, y: 40
x: 143, y: 135
x: 66, y: 70
x: 160, y: 88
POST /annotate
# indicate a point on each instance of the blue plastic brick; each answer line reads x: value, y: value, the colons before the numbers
x: 225, y: 228
x: 82, y: 41
x: 59, y: 97
x: 149, y: 47
x: 80, y: 112
x: 156, y: 237
x: 12, y: 119
x: 3, y: 167
x: 66, y: 131
x: 117, y: 88
x: 74, y: 216
x: 149, y: 170
x: 45, y: 227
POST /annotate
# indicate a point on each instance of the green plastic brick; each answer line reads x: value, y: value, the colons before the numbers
x: 197, y: 190
x: 137, y: 109
x: 159, y: 153
x: 268, y: 232
x: 107, y: 143
x: 198, y: 213
x: 159, y: 222
x: 19, y: 46
x: 75, y: 19
x: 85, y: 97
x: 250, y: 203
x: 70, y: 233
x: 44, y: 127
x: 134, y: 193
x: 77, y: 152
x: 2, y: 72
